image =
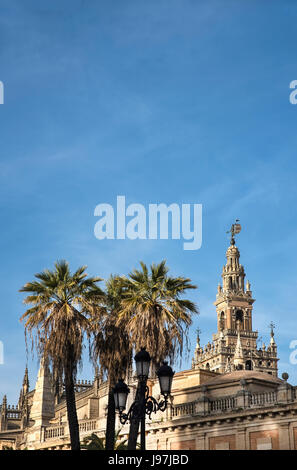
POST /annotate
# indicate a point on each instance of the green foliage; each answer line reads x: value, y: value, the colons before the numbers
x: 57, y: 320
x: 111, y: 346
x: 153, y: 304
x: 93, y: 442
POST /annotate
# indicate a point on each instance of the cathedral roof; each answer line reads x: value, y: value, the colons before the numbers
x: 244, y: 374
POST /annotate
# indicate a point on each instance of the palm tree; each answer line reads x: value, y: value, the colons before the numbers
x: 93, y: 442
x: 111, y: 347
x: 155, y: 316
x: 57, y: 323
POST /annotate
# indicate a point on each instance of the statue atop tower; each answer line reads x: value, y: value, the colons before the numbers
x: 234, y: 230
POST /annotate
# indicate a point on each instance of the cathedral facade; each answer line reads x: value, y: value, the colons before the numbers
x: 231, y: 398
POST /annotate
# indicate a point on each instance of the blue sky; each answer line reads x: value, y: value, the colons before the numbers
x: 162, y: 101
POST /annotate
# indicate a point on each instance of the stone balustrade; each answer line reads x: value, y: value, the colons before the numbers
x: 248, y: 334
x: 83, y: 385
x: 262, y: 399
x: 183, y: 409
x: 222, y: 404
x: 86, y: 426
x: 244, y: 399
x: 13, y: 414
x: 54, y: 432
x: 80, y: 386
x: 203, y: 406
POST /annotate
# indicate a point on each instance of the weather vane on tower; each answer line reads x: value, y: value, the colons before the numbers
x: 272, y: 327
x: 235, y: 229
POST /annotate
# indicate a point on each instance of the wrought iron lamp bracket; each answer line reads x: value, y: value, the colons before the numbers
x: 139, y: 409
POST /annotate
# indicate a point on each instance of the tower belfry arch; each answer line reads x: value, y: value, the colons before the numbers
x: 234, y: 346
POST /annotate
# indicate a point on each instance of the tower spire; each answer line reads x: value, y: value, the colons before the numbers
x: 238, y: 354
x: 198, y: 331
x: 233, y: 272
x: 3, y: 416
x: 43, y: 401
x: 24, y: 389
x: 26, y: 381
x: 4, y: 402
x: 272, y: 327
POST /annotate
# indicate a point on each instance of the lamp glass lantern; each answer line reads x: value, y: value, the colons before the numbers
x: 120, y: 393
x: 143, y: 360
x: 165, y: 375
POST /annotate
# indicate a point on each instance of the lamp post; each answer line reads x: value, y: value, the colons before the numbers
x: 144, y: 403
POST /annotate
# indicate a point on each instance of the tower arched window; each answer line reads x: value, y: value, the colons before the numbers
x: 239, y: 315
x: 239, y: 319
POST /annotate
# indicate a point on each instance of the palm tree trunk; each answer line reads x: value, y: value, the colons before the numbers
x: 71, y: 412
x: 133, y: 434
x: 110, y: 422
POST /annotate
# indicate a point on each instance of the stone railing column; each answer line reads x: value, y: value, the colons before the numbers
x: 42, y: 434
x: 168, y: 412
x: 243, y: 396
x: 202, y: 403
x: 284, y: 393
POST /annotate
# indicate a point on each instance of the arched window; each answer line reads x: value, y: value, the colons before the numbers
x: 248, y: 365
x: 239, y: 319
x: 239, y: 315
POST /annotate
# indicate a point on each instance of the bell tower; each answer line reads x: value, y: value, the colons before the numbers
x: 234, y: 346
x: 234, y: 302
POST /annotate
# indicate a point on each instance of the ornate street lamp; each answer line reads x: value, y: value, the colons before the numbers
x: 165, y: 375
x: 120, y: 393
x: 143, y: 360
x: 144, y: 404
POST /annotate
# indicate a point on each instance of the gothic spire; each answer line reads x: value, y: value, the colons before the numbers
x: 272, y: 326
x: 198, y: 331
x: 43, y: 401
x: 26, y: 380
x: 238, y: 354
x: 4, y: 402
